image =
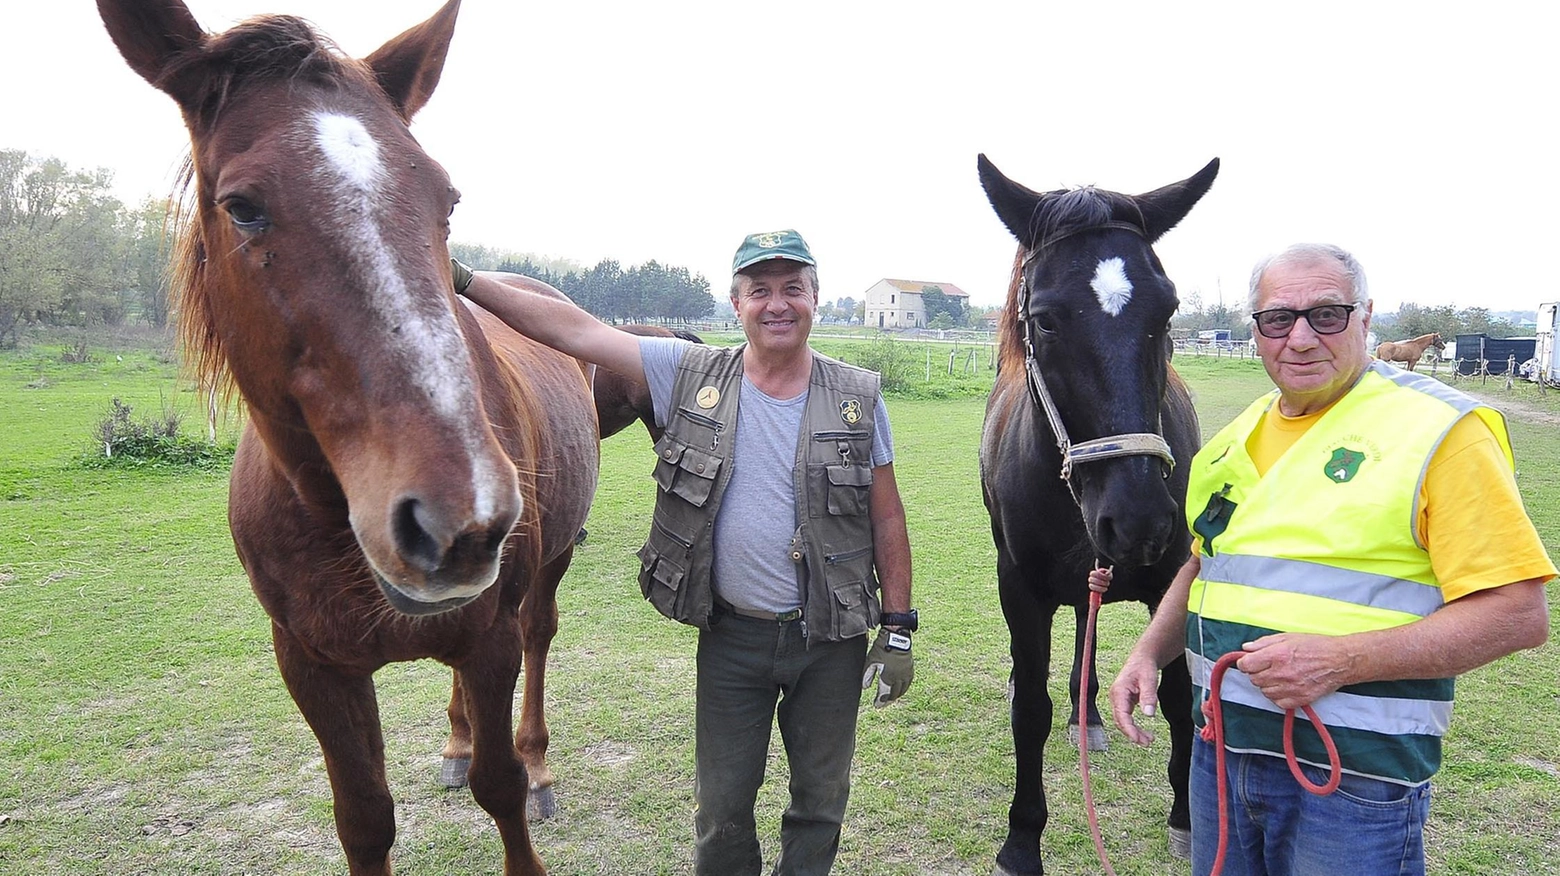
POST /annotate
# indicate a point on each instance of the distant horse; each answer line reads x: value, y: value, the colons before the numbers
x: 1083, y: 455
x: 412, y: 473
x: 620, y: 401
x: 1411, y: 351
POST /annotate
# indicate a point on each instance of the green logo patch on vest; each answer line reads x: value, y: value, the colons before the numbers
x: 1344, y: 465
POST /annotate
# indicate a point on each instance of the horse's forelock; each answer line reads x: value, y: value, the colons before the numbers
x: 266, y: 48
x: 1073, y: 210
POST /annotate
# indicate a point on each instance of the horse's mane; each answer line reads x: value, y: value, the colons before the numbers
x: 267, y: 48
x: 1057, y: 215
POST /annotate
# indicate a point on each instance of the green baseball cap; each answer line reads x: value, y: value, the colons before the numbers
x: 786, y: 244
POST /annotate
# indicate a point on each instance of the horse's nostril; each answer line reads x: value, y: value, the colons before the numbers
x: 412, y: 537
x: 495, y: 539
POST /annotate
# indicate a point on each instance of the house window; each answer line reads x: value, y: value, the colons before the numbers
x: 890, y: 299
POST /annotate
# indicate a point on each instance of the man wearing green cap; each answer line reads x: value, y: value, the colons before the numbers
x: 777, y: 525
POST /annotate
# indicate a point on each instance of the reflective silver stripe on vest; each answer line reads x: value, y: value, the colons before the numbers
x: 1391, y: 715
x: 1459, y: 401
x: 1330, y: 582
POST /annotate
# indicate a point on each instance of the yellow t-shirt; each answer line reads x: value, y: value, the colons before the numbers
x: 1468, y: 501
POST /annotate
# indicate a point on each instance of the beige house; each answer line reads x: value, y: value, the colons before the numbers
x: 896, y: 304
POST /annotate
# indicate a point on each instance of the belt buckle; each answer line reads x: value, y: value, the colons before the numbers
x: 788, y: 616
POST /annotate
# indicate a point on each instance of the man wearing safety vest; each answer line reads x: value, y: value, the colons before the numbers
x: 1344, y: 525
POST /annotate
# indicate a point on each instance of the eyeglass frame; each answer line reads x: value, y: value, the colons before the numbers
x: 1348, y: 311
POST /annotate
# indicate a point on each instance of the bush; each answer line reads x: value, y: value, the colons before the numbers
x: 124, y: 441
x: 888, y: 358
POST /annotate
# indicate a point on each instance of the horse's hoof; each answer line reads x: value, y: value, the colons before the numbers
x: 452, y: 774
x: 540, y: 804
x: 1180, y: 844
x: 1097, y: 740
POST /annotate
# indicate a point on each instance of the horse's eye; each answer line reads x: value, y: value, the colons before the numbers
x: 245, y: 215
x: 1045, y: 321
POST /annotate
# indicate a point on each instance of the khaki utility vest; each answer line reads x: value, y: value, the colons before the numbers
x: 832, y: 478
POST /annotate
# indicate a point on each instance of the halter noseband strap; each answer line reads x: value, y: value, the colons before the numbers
x: 1109, y: 447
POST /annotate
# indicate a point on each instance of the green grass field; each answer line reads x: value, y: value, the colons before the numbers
x: 144, y: 729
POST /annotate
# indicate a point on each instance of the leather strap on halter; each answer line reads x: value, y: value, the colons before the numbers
x: 1109, y: 447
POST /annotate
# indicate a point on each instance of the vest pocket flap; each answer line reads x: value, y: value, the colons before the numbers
x: 849, y: 489
x: 697, y: 462
x: 854, y: 610
x: 657, y: 569
x: 850, y: 595
x: 850, y: 476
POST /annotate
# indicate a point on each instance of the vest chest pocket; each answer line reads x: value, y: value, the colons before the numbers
x: 686, y: 472
x: 849, y: 489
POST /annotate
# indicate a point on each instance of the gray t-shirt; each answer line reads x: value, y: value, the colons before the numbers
x: 757, y: 517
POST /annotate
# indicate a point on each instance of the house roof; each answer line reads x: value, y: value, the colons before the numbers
x: 916, y: 286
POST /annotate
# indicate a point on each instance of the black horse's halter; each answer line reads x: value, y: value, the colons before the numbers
x: 1109, y: 447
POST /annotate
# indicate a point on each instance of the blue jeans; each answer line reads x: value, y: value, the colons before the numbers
x: 745, y: 667
x: 1278, y: 828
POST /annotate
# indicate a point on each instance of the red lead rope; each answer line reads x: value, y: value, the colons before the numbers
x: 1083, y: 731
x: 1213, y: 732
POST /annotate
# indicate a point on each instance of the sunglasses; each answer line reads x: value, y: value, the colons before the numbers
x: 1325, y: 319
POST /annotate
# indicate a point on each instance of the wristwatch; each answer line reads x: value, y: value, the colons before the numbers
x: 908, y: 620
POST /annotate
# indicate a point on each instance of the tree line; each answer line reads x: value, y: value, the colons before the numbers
x: 72, y: 254
x: 651, y: 292
x: 1410, y: 321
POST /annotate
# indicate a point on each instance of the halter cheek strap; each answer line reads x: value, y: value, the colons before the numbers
x: 1109, y: 447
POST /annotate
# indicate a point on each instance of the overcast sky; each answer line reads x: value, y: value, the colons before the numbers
x: 1420, y: 136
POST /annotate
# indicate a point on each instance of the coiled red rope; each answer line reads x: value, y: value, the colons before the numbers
x: 1212, y: 732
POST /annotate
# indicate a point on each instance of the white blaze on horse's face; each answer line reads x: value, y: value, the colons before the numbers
x: 1111, y: 286
x: 354, y: 171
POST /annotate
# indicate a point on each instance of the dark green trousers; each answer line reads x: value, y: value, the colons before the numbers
x: 745, y: 667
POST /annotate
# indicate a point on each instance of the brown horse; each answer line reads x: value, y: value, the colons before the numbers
x: 1410, y: 351
x: 620, y: 401
x: 412, y: 473
x: 1084, y: 455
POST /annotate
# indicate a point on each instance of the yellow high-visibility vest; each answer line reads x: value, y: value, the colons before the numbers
x: 1326, y: 542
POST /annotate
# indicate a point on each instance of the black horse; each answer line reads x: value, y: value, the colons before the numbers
x: 1083, y: 455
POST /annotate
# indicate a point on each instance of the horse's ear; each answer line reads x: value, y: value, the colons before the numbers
x: 408, y: 67
x: 1016, y: 205
x: 1163, y: 208
x: 151, y: 34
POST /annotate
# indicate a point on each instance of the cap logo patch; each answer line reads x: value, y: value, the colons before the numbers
x: 769, y: 240
x: 850, y: 411
x: 707, y: 398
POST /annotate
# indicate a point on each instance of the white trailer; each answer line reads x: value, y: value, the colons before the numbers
x: 1546, y: 351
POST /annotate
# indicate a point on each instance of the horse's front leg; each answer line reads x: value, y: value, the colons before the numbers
x: 343, y: 712
x: 456, y: 756
x: 1091, y: 719
x: 1029, y: 628
x: 538, y: 625
x: 497, y: 777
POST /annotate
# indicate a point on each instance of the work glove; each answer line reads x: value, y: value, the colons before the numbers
x: 892, y: 664
x: 460, y: 274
